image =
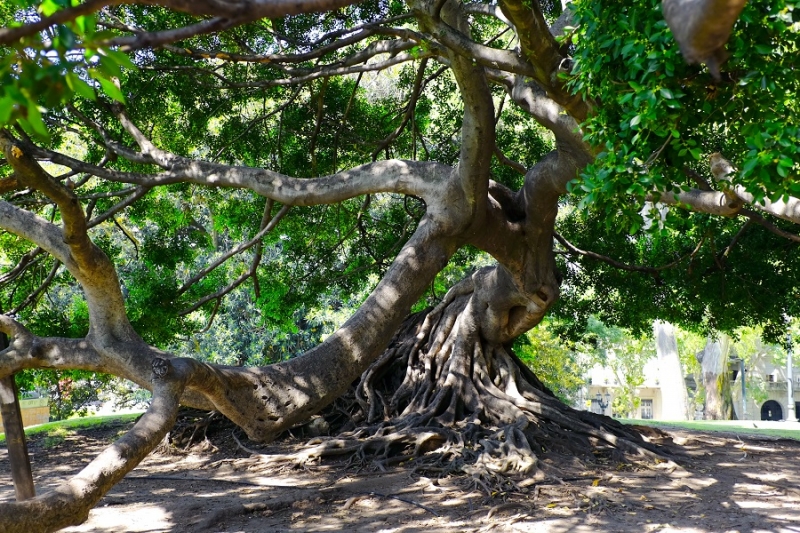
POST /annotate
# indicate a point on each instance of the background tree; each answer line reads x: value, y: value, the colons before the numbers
x: 160, y: 157
x: 626, y: 356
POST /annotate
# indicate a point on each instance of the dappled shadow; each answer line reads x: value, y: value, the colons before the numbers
x: 725, y: 485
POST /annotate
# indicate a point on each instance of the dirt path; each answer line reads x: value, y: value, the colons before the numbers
x: 724, y: 485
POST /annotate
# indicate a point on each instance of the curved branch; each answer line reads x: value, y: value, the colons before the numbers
x: 758, y: 219
x: 541, y: 49
x: 72, y: 246
x: 36, y: 230
x: 160, y: 38
x: 32, y: 297
x: 29, y: 173
x: 416, y: 178
x: 298, y: 76
x: 12, y: 35
x: 410, y: 109
x: 8, y: 184
x: 223, y: 9
x: 69, y: 503
x: 410, y: 40
x: 25, y: 262
x: 487, y: 56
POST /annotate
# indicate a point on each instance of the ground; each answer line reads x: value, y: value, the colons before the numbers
x: 722, y: 484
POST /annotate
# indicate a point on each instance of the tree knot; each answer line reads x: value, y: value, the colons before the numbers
x: 161, y: 368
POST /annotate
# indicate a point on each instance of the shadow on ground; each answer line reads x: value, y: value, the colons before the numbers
x: 725, y: 484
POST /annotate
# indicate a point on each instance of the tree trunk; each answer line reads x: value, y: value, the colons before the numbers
x: 447, y: 396
x: 716, y: 379
x: 670, y: 373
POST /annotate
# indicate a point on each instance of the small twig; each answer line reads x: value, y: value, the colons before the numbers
x: 758, y: 219
x: 243, y: 447
x: 404, y: 500
x: 623, y: 266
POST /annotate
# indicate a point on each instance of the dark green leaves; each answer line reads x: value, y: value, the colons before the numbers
x: 656, y: 117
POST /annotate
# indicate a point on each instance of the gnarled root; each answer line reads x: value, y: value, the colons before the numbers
x: 444, y: 397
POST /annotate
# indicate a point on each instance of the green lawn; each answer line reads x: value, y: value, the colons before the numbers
x: 75, y: 423
x: 790, y: 430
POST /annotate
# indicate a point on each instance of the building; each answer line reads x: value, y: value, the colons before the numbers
x: 603, y: 386
x: 767, y: 391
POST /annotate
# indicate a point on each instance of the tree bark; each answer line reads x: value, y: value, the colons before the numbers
x: 716, y: 379
x: 702, y: 28
x: 670, y: 373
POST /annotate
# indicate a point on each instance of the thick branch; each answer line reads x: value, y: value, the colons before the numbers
x: 702, y: 27
x: 69, y: 503
x: 541, y: 49
x: 29, y: 173
x: 230, y: 9
x: 8, y: 184
x: 415, y: 178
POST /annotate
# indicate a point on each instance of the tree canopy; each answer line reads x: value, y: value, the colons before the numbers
x: 439, y: 167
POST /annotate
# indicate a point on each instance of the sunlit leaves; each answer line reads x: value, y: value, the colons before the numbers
x: 656, y: 117
x: 47, y: 69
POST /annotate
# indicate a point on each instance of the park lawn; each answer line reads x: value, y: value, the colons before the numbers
x: 76, y: 423
x: 789, y: 430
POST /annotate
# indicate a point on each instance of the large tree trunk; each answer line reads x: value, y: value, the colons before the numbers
x: 670, y: 373
x: 447, y: 395
x: 716, y: 379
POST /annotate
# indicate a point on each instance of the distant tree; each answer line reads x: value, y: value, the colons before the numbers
x: 626, y: 356
x: 561, y: 367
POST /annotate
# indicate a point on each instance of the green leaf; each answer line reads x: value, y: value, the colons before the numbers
x: 48, y: 7
x: 666, y: 93
x: 119, y: 57
x: 635, y: 120
x: 108, y: 86
x: 80, y: 87
x: 6, y: 109
x: 110, y: 67
x: 36, y: 122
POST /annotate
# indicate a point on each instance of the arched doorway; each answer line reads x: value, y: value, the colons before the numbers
x: 771, y: 410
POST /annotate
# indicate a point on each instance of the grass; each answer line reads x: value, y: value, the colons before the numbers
x: 56, y: 431
x: 789, y: 430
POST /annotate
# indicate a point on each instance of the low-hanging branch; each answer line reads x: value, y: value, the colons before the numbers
x: 228, y: 9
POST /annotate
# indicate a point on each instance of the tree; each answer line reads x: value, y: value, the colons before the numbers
x: 626, y: 356
x: 157, y: 152
x: 713, y: 360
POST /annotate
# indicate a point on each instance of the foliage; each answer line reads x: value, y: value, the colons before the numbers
x: 554, y: 359
x: 51, y: 68
x: 71, y: 392
x: 659, y: 117
x: 689, y: 344
x: 625, y: 355
x: 720, y: 274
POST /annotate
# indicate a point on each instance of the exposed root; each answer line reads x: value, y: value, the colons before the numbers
x: 444, y: 400
x: 192, y: 430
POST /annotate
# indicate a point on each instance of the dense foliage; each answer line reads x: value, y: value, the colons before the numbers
x: 658, y: 118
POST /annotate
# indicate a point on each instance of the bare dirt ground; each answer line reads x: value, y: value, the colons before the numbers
x: 723, y: 484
